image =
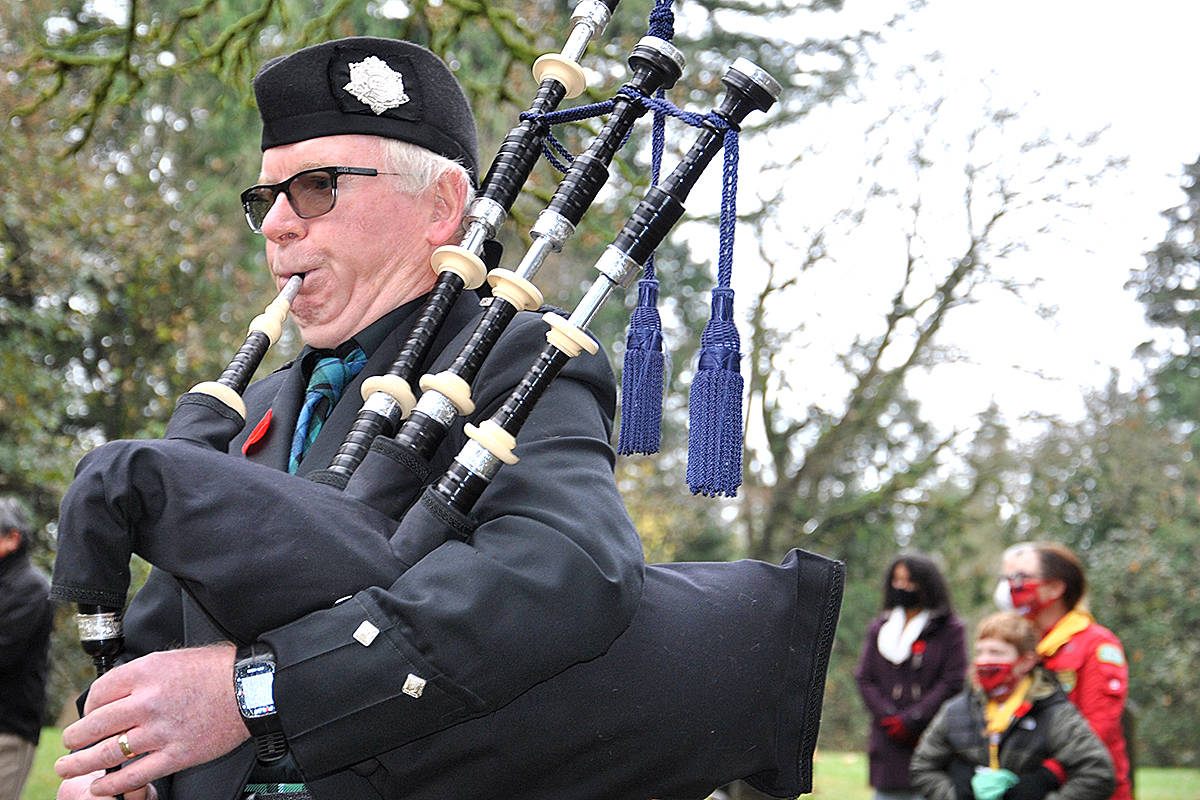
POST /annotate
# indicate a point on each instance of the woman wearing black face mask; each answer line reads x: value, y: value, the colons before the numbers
x: 913, y: 659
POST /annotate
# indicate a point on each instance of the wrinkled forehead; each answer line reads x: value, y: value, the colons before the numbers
x: 344, y: 150
x: 1024, y: 561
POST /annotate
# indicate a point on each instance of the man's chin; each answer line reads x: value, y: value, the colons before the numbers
x: 316, y: 335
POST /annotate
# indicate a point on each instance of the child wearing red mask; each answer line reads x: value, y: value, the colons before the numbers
x: 1013, y: 735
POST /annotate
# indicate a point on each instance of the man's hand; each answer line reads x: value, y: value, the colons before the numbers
x: 176, y: 710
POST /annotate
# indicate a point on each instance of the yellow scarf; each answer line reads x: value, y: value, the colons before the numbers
x: 999, y: 714
x: 1072, y: 623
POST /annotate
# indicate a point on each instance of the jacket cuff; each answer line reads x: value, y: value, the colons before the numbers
x: 1056, y: 769
x: 348, y: 687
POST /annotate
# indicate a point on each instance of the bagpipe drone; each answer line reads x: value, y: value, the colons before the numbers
x: 719, y: 675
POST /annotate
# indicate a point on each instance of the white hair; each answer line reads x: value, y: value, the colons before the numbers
x: 419, y: 169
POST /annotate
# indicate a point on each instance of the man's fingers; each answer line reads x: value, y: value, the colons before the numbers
x: 132, y: 775
x: 111, y: 686
x: 104, y: 754
x: 106, y: 721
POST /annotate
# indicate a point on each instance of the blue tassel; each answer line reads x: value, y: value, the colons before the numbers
x: 715, y: 406
x: 642, y: 376
x: 642, y: 373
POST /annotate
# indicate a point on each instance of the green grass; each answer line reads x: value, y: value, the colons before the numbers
x: 1155, y: 783
x: 43, y: 783
x: 844, y: 776
x: 835, y: 775
x: 840, y: 775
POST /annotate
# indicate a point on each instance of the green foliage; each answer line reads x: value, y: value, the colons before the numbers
x: 1121, y: 489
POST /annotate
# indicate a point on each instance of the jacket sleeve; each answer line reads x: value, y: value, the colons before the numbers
x: 874, y: 698
x: 931, y: 762
x: 1102, y: 684
x: 1083, y: 757
x: 25, y: 614
x: 549, y: 577
x: 949, y: 682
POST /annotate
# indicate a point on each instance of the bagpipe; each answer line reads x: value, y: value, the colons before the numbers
x: 719, y: 674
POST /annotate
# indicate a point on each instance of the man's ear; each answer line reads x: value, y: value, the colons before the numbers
x: 448, y: 205
x: 1055, y: 589
x: 10, y: 540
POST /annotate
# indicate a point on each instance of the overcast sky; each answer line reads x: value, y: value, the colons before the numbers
x: 1069, y: 67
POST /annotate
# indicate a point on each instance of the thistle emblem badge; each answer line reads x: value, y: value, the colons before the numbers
x: 373, y: 82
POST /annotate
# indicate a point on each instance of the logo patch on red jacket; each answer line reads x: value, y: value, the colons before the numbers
x: 1110, y: 654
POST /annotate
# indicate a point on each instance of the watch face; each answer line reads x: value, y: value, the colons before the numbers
x: 255, y: 685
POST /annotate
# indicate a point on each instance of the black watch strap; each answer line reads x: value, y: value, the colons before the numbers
x: 270, y: 744
x: 270, y: 747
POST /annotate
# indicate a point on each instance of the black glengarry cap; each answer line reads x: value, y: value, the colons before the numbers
x: 367, y: 85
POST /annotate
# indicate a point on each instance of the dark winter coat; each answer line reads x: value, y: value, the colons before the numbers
x: 543, y: 553
x: 25, y: 621
x: 913, y: 690
x: 1051, y: 728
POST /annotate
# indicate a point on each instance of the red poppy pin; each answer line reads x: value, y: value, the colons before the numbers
x: 256, y: 435
x: 918, y: 646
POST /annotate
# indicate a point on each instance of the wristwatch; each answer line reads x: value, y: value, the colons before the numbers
x: 254, y: 688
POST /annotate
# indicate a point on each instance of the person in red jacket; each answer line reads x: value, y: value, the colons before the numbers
x: 1046, y: 583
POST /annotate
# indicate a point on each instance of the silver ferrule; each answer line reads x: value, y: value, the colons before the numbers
x: 759, y: 75
x: 597, y: 293
x: 99, y: 627
x: 384, y: 405
x: 437, y: 406
x: 553, y: 226
x: 291, y: 288
x: 588, y: 20
x: 474, y: 238
x: 535, y: 256
x: 618, y: 267
x: 486, y: 213
x: 479, y: 460
x: 664, y: 48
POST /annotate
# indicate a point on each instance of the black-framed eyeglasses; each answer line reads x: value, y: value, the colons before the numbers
x: 310, y: 193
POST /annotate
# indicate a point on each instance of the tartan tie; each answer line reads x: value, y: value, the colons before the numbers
x: 329, y: 378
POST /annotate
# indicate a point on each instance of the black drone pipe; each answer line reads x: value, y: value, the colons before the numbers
x: 389, y: 398
x: 749, y: 88
x: 656, y: 64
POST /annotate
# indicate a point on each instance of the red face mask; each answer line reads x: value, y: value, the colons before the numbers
x: 995, y: 679
x: 1025, y: 597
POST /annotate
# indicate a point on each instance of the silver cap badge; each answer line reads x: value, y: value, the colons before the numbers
x: 373, y: 82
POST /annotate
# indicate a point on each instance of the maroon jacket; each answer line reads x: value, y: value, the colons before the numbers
x: 913, y: 691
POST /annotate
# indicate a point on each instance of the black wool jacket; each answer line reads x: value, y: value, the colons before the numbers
x: 549, y: 576
x: 26, y: 618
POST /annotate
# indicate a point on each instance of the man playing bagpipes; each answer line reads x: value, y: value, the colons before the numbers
x: 487, y: 654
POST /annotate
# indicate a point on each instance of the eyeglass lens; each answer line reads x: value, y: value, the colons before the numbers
x: 310, y: 193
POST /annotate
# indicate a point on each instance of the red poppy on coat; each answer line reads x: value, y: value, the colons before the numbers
x: 256, y: 435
